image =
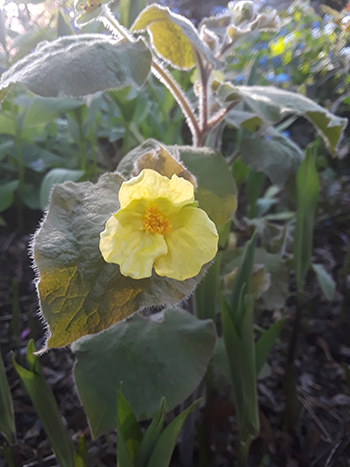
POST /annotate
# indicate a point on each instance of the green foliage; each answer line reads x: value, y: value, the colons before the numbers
x: 174, y: 37
x: 272, y: 104
x: 7, y: 419
x: 90, y: 294
x: 237, y: 324
x: 103, y: 63
x: 307, y: 196
x: 164, y: 355
x: 46, y: 407
x: 155, y: 447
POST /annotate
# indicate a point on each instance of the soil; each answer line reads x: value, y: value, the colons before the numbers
x: 322, y: 435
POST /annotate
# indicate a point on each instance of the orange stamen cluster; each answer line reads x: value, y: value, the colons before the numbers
x: 154, y: 221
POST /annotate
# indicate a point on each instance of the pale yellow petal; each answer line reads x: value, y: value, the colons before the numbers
x: 192, y: 243
x: 150, y: 185
x: 124, y: 242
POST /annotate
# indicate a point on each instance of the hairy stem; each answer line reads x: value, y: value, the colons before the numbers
x: 165, y: 78
x: 160, y: 73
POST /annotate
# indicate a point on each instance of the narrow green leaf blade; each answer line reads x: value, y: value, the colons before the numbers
x: 206, y: 292
x: 128, y: 426
x: 241, y: 358
x: 7, y: 418
x: 164, y: 448
x: 81, y: 456
x: 50, y: 417
x: 325, y: 280
x: 241, y: 285
x: 307, y: 196
x: 265, y: 343
x: 151, y: 436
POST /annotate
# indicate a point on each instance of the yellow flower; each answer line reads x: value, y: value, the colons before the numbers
x: 158, y: 225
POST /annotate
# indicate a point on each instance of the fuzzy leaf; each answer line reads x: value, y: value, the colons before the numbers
x: 174, y: 37
x: 80, y: 65
x: 164, y: 355
x: 276, y: 155
x: 273, y: 104
x: 79, y: 292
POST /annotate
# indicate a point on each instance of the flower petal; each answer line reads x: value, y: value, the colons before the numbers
x: 150, y: 185
x: 192, y: 243
x: 125, y: 243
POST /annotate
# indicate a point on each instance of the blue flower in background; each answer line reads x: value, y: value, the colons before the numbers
x: 283, y: 32
x: 316, y: 24
x: 276, y: 61
x: 263, y: 60
x: 286, y: 133
x: 282, y: 78
x: 239, y: 79
x: 270, y: 76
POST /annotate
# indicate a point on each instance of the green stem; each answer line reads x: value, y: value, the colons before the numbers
x: 292, y: 410
x: 164, y: 77
x: 242, y: 452
x: 20, y: 166
x: 126, y: 139
x: 208, y: 411
x: 82, y: 144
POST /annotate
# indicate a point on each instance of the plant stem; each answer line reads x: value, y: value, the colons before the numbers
x: 165, y: 77
x: 242, y: 452
x: 291, y: 415
x: 82, y: 145
x: 20, y: 166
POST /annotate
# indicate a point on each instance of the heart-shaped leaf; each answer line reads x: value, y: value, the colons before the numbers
x: 79, y: 292
x: 80, y: 65
x: 164, y: 355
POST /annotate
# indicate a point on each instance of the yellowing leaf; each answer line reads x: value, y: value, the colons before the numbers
x: 79, y: 292
x: 174, y: 37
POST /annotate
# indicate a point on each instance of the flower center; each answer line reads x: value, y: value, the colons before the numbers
x: 154, y: 221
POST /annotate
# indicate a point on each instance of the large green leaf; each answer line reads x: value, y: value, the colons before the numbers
x: 45, y: 109
x: 79, y: 292
x: 174, y: 37
x: 273, y: 154
x: 80, y: 65
x: 273, y: 104
x: 215, y: 189
x: 54, y: 177
x: 164, y: 355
